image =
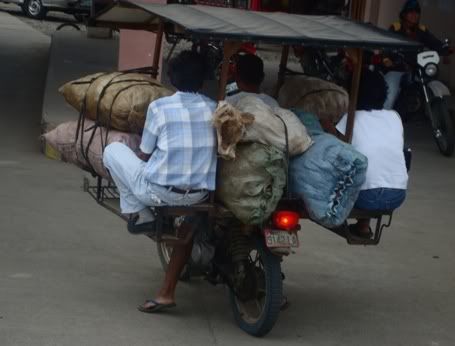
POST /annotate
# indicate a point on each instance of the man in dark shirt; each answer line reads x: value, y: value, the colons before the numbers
x: 410, y: 27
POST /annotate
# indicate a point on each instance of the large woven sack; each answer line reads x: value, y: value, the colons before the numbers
x: 328, y: 177
x: 251, y: 120
x: 89, y: 156
x: 313, y: 95
x: 91, y: 143
x: 252, y: 185
x: 118, y: 100
x: 74, y: 92
x: 63, y: 140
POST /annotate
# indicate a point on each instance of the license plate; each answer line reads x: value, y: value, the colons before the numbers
x: 275, y: 238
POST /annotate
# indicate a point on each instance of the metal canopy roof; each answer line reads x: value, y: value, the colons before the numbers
x: 206, y: 22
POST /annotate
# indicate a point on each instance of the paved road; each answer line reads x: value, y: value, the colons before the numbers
x: 71, y: 275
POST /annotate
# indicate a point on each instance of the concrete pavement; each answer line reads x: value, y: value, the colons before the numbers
x: 71, y: 275
x: 72, y: 55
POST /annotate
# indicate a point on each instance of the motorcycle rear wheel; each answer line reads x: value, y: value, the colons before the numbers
x: 446, y: 139
x: 257, y: 316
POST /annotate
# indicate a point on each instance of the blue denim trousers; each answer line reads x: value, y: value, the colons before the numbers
x: 380, y: 199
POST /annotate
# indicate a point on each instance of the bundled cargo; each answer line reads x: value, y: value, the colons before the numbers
x: 251, y: 120
x: 313, y: 95
x: 252, y: 185
x: 83, y: 144
x: 328, y: 177
x: 117, y: 100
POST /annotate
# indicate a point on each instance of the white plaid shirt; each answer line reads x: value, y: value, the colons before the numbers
x: 180, y: 137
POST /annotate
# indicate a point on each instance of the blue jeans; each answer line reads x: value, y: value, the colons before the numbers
x: 380, y: 199
x: 393, y: 81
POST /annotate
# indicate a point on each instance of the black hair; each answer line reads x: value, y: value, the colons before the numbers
x: 250, y: 69
x: 186, y: 71
x: 372, y: 91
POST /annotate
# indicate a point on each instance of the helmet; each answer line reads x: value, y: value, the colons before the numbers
x: 410, y: 5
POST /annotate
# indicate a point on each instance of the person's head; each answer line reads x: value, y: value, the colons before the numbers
x: 410, y: 14
x: 249, y: 72
x: 186, y: 71
x: 372, y: 91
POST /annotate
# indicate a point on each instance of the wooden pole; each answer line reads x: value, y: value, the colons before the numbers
x: 282, y: 69
x: 357, y: 55
x: 157, y: 51
x: 229, y: 49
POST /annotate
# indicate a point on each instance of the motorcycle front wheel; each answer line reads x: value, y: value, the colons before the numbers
x: 444, y: 134
x: 258, y: 314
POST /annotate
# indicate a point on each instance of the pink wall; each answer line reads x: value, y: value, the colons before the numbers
x: 136, y: 47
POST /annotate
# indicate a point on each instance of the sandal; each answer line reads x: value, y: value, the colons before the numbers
x: 156, y: 307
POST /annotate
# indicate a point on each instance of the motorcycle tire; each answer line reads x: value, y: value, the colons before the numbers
x: 446, y: 142
x: 272, y: 301
x: 164, y: 253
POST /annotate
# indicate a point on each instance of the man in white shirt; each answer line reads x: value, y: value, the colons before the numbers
x: 249, y: 75
x: 378, y: 134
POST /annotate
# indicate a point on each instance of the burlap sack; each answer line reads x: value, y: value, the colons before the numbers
x: 91, y: 143
x: 313, y: 95
x: 119, y: 100
x: 87, y: 157
x: 267, y: 126
x: 252, y: 185
x: 63, y: 140
x: 74, y: 92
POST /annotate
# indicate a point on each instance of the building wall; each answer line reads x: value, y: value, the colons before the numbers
x: 438, y: 15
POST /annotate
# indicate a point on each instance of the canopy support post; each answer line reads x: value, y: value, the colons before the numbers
x: 357, y: 56
x: 229, y: 49
x: 282, y: 70
x: 157, y: 50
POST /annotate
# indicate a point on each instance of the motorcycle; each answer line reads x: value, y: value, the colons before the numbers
x: 422, y: 93
x: 246, y: 259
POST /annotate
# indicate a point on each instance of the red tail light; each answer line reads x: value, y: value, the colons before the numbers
x: 286, y: 220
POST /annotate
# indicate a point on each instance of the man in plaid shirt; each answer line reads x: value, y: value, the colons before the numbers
x: 176, y: 164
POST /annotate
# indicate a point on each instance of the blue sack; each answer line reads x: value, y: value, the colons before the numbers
x: 328, y: 176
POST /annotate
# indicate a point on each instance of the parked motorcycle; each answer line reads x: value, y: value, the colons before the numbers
x: 423, y: 93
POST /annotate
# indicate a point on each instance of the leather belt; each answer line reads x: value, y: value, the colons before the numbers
x: 180, y: 191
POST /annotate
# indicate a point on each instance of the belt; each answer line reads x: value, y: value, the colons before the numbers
x: 177, y: 190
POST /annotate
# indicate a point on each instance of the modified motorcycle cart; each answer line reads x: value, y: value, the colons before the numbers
x: 245, y: 258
